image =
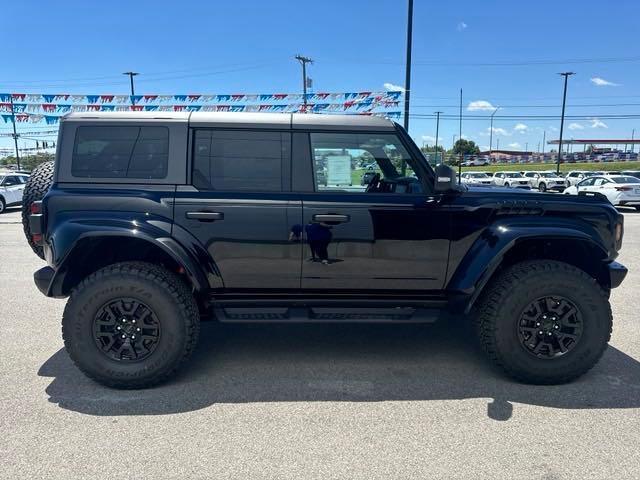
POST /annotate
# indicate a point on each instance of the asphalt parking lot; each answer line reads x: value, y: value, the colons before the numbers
x: 351, y: 401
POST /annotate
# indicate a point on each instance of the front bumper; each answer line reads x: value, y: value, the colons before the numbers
x: 617, y: 273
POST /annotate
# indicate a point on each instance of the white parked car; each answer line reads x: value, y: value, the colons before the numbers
x: 11, y: 187
x: 476, y: 178
x: 576, y: 176
x: 544, y: 181
x: 620, y: 190
x: 510, y: 179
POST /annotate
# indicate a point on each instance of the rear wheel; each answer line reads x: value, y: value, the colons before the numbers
x: 36, y: 188
x: 544, y: 322
x: 130, y: 325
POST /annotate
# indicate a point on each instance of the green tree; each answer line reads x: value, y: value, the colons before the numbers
x: 466, y: 147
x: 28, y: 162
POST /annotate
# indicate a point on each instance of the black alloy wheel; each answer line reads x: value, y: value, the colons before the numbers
x: 126, y: 330
x: 550, y: 327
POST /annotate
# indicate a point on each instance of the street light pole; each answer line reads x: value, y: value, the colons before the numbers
x: 633, y: 132
x: 131, y: 75
x: 437, y: 133
x: 491, y: 132
x: 566, y: 76
x: 303, y: 61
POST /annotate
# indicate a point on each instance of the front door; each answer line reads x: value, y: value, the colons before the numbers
x: 366, y: 225
x: 240, y: 209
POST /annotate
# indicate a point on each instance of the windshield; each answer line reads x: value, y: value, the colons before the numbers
x: 626, y: 180
x: 513, y: 175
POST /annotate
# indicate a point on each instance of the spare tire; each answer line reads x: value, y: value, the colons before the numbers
x: 36, y: 188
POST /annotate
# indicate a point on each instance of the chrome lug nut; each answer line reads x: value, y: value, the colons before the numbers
x: 118, y: 328
x: 137, y: 329
x: 124, y: 336
x: 541, y: 332
x: 133, y: 321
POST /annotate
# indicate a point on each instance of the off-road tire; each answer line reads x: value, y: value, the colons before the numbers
x: 164, y: 292
x: 502, y: 304
x: 36, y: 188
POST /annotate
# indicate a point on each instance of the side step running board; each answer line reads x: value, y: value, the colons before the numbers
x: 327, y: 314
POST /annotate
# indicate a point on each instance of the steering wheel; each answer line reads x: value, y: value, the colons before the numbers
x: 373, y: 183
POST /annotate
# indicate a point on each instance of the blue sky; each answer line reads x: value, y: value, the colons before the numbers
x: 504, y: 53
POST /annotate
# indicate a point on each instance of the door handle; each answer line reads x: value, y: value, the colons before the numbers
x: 205, y: 216
x: 331, y: 218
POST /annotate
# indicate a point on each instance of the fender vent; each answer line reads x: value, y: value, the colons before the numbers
x: 519, y: 207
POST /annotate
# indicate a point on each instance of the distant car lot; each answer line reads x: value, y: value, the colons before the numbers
x: 311, y: 400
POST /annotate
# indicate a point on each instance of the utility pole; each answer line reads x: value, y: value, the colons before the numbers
x: 437, y: 133
x: 15, y: 134
x: 498, y: 144
x: 544, y: 139
x: 453, y: 141
x: 526, y: 147
x: 566, y: 76
x: 303, y: 61
x: 131, y: 75
x: 491, y: 132
x: 633, y: 132
x: 407, y: 78
x: 460, y: 136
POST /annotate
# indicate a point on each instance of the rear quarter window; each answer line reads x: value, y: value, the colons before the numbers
x: 120, y: 152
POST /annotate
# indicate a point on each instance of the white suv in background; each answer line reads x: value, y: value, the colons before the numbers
x: 476, y: 178
x: 510, y: 179
x: 576, y: 176
x: 544, y: 181
x: 11, y: 187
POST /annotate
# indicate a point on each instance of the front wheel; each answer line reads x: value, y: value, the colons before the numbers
x: 544, y: 322
x: 3, y: 205
x: 130, y: 325
x: 542, y: 187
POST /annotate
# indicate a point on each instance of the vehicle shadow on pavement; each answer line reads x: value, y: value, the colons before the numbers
x: 349, y: 363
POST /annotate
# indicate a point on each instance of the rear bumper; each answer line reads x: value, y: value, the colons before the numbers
x: 43, y: 279
x: 617, y: 273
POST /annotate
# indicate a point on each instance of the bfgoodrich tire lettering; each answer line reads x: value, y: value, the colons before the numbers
x: 158, y: 289
x: 502, y: 305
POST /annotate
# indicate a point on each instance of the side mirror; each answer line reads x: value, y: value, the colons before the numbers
x: 446, y: 179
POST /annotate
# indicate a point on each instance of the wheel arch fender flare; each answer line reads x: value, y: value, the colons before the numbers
x: 489, y: 250
x: 69, y: 239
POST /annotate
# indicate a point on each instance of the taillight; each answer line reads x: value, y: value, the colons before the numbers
x: 35, y: 208
x: 623, y: 189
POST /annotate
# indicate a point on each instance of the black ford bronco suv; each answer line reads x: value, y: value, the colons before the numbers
x: 151, y: 221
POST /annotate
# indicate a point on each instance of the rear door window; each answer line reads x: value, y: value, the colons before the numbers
x: 240, y: 160
x: 120, y: 152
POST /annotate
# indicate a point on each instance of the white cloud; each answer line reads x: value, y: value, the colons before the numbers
x: 480, y: 105
x: 431, y: 140
x: 576, y: 126
x: 393, y: 88
x: 520, y: 127
x: 461, y: 26
x: 597, y: 123
x: 553, y: 129
x: 484, y: 148
x: 601, y: 82
x: 514, y: 145
x: 499, y: 131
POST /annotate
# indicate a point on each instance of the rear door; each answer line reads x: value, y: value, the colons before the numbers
x: 240, y: 209
x: 388, y: 234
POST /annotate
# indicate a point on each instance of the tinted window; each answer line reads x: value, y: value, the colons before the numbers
x: 239, y: 160
x: 120, y: 152
x: 626, y: 180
